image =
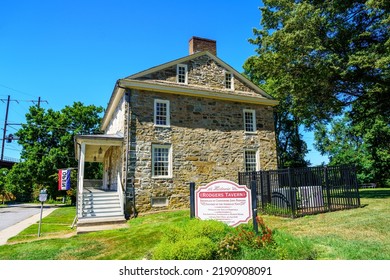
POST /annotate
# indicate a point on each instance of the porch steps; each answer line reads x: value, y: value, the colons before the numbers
x: 100, y: 211
x: 101, y: 204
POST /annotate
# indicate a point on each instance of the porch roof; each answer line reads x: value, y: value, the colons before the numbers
x: 96, y: 145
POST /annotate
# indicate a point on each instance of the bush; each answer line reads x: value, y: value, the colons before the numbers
x: 199, y: 248
x: 237, y: 244
x: 191, y: 240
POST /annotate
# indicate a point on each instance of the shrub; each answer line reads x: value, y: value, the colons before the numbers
x: 191, y: 240
x: 199, y: 248
x: 244, y: 239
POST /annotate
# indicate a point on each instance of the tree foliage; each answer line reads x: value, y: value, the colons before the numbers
x: 366, y: 148
x: 325, y: 55
x: 47, y: 140
x: 325, y: 58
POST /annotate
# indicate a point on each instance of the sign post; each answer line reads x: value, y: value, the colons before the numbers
x: 224, y: 201
x: 42, y: 199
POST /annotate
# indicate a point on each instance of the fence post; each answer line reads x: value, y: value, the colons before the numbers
x: 192, y: 200
x: 327, y: 188
x: 254, y: 205
x: 292, y: 196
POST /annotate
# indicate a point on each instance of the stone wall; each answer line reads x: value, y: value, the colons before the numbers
x: 203, y: 72
x: 207, y: 140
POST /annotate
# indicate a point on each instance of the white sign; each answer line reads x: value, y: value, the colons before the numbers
x: 224, y: 201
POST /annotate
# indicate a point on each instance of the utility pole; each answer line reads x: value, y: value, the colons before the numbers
x: 6, y: 119
x: 5, y: 128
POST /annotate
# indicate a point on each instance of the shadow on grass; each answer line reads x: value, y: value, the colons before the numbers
x: 374, y: 193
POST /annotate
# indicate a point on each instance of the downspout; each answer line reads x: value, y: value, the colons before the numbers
x: 127, y: 128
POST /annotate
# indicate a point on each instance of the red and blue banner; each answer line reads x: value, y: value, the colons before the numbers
x: 64, y: 179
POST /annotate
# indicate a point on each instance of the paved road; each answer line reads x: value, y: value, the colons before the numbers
x: 15, y: 218
x: 14, y: 214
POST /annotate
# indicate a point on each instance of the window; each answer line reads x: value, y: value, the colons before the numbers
x: 229, y: 82
x: 159, y: 201
x: 161, y: 113
x: 249, y: 120
x: 250, y: 161
x: 181, y: 73
x: 161, y: 161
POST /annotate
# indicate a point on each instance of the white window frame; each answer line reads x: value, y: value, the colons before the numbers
x: 252, y: 121
x: 169, y: 168
x: 185, y: 73
x: 167, y: 116
x: 231, y: 80
x: 257, y: 161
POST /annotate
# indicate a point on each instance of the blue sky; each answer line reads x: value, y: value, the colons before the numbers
x: 65, y: 50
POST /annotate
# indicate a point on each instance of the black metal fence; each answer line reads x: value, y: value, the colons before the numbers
x: 296, y: 192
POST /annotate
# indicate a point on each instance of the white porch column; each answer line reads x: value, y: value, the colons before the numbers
x: 80, y: 181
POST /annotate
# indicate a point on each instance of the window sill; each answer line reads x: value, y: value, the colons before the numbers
x: 163, y: 177
x: 162, y: 126
x: 250, y: 132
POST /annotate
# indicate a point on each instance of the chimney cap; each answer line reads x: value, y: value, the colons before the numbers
x: 201, y: 39
x: 199, y: 44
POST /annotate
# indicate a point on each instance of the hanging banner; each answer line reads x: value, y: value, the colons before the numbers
x: 64, y: 179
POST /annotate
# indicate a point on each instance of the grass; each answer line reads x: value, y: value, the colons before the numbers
x: 362, y: 233
x: 356, y: 234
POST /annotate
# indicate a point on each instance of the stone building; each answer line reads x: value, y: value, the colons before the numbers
x: 193, y: 119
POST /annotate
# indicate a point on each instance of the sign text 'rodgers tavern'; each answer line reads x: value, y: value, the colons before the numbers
x: 224, y: 201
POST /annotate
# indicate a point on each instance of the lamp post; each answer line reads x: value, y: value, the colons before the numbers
x: 42, y: 199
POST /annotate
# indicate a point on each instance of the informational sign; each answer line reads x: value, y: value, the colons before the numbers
x: 64, y: 179
x: 224, y: 201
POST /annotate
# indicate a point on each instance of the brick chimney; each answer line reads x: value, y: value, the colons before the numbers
x: 198, y: 44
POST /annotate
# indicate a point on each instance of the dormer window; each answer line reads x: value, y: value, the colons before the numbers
x: 229, y: 82
x: 181, y: 73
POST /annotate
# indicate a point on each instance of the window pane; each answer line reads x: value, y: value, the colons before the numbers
x: 250, y: 161
x: 160, y: 161
x: 249, y: 121
x: 161, y: 113
x: 228, y: 80
x: 181, y: 74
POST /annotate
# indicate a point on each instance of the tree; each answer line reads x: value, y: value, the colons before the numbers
x: 47, y: 141
x: 291, y: 148
x: 367, y: 149
x: 325, y: 58
x: 4, y: 192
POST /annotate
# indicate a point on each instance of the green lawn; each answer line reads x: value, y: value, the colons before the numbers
x: 356, y: 234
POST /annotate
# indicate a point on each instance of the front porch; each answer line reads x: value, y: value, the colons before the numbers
x: 100, y: 203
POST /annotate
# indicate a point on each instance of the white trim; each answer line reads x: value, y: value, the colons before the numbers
x: 168, y: 113
x: 253, y: 112
x: 164, y: 146
x: 185, y: 73
x: 180, y: 90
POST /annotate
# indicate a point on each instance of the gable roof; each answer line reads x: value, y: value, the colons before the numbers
x: 134, y: 81
x: 236, y: 74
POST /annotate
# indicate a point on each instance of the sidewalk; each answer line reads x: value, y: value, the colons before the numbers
x: 11, y: 231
